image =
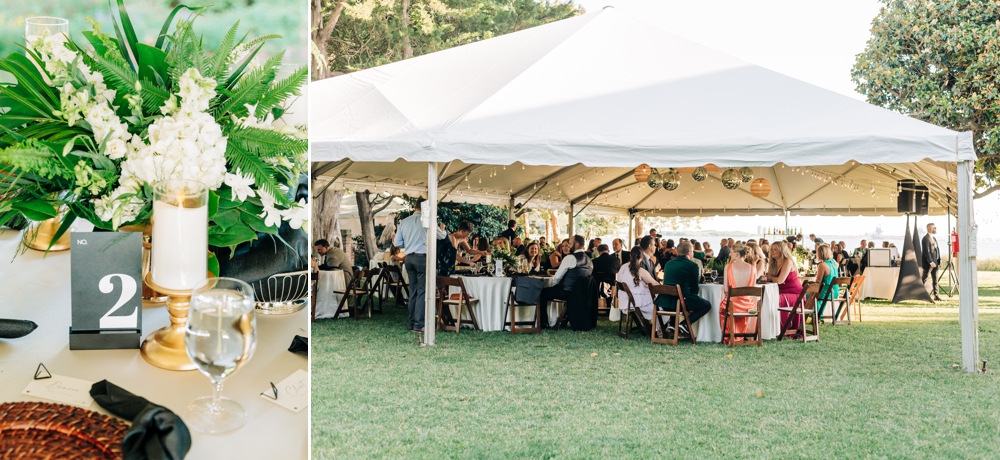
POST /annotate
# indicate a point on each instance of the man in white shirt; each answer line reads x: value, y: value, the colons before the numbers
x: 412, y: 236
x: 574, y: 266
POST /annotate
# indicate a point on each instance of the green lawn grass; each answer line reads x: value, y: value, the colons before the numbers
x: 886, y: 387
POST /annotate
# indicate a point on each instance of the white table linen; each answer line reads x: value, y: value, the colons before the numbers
x: 326, y: 301
x: 880, y: 283
x: 37, y: 287
x: 708, y: 328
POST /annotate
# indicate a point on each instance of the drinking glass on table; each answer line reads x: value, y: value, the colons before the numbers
x: 45, y: 26
x: 715, y: 275
x: 221, y: 336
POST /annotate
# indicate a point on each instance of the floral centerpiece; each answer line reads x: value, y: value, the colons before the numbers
x: 507, y: 254
x: 87, y: 131
x: 803, y: 258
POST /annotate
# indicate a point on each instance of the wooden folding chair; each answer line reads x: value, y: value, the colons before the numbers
x: 799, y: 309
x: 730, y: 319
x: 855, y: 294
x: 679, y: 316
x: 512, y: 304
x: 837, y: 304
x: 633, y: 315
x: 351, y: 297
x: 394, y: 283
x: 464, y: 301
x: 374, y: 285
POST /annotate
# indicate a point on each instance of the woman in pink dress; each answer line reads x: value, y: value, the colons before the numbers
x: 781, y: 269
x: 740, y: 272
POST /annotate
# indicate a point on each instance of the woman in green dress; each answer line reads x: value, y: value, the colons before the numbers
x: 826, y: 271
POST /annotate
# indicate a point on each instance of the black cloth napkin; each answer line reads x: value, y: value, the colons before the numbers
x: 16, y: 328
x: 300, y: 345
x: 156, y: 432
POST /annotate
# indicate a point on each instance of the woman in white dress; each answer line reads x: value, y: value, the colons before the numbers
x: 638, y: 281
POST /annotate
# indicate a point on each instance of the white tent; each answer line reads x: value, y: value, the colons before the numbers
x: 563, y: 113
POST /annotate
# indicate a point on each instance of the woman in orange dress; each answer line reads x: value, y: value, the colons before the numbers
x: 740, y: 272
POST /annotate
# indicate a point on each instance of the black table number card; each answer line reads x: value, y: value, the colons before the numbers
x: 106, y: 277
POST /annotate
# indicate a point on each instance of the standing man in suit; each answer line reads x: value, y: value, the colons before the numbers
x: 412, y: 237
x: 606, y: 263
x: 648, y: 248
x: 511, y: 232
x: 619, y: 253
x: 931, y: 259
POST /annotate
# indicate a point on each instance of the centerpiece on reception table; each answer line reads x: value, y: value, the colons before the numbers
x: 508, y: 256
x: 89, y: 129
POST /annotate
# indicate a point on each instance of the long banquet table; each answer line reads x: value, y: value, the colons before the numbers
x: 37, y: 288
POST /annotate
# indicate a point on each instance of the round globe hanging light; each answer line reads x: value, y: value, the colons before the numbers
x: 671, y: 180
x: 746, y: 174
x: 642, y: 172
x: 760, y: 188
x: 731, y: 179
x: 654, y: 180
x: 699, y: 174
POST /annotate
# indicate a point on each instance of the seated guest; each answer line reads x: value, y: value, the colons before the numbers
x: 741, y: 272
x: 533, y: 258
x: 573, y: 267
x: 723, y: 250
x: 759, y: 260
x: 618, y: 251
x: 605, y: 262
x: 826, y: 271
x: 648, y: 247
x: 543, y: 244
x: 683, y: 271
x: 590, y: 248
x: 781, y: 269
x: 332, y: 258
x: 885, y: 244
x: 709, y: 252
x: 698, y: 253
x: 638, y: 281
x: 448, y: 249
x: 597, y: 242
x: 555, y: 259
x: 518, y: 246
x: 501, y: 243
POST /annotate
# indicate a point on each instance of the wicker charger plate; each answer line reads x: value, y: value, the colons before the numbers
x: 34, y: 430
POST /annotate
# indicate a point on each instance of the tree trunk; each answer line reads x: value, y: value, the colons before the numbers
x: 639, y: 231
x: 321, y: 33
x: 367, y: 216
x: 326, y: 216
x: 407, y: 48
x: 553, y: 223
x: 524, y: 225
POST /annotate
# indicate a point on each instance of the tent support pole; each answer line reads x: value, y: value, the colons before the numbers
x: 629, y: 237
x: 569, y: 226
x: 968, y: 288
x: 430, y: 307
x: 787, y: 228
x: 510, y: 209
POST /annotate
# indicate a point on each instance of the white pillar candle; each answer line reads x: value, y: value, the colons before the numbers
x: 180, y: 235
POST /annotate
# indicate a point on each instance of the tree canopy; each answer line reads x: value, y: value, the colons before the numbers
x: 939, y: 61
x: 367, y: 33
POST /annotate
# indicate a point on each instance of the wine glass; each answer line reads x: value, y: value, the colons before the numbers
x: 221, y: 336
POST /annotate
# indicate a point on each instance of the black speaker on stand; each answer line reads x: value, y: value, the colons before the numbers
x: 906, y: 202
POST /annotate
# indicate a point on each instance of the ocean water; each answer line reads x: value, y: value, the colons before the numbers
x: 989, y: 248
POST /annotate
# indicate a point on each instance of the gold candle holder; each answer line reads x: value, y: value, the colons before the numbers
x: 165, y: 347
x: 38, y: 236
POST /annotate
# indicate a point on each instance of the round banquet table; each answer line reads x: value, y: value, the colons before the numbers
x: 490, y: 307
x: 708, y: 328
x: 880, y: 283
x: 37, y: 288
x: 326, y: 301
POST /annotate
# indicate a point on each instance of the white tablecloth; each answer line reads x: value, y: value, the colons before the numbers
x: 708, y: 328
x: 492, y: 294
x: 880, y: 282
x: 326, y: 301
x: 38, y: 289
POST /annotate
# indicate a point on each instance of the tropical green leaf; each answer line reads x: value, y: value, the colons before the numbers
x: 170, y: 19
x: 281, y: 90
x: 262, y: 172
x: 37, y: 210
x: 232, y: 236
x: 213, y: 204
x: 264, y: 142
x: 67, y: 221
x: 153, y: 62
x: 129, y: 41
x: 256, y: 222
x: 219, y: 63
x: 226, y: 218
x: 213, y: 263
x: 248, y: 89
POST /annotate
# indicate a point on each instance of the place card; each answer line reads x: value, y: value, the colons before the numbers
x: 293, y: 392
x: 62, y: 389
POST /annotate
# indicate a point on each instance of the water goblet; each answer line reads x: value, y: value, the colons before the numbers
x: 220, y: 337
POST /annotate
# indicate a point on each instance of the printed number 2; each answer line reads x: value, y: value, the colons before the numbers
x: 128, y: 290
